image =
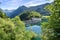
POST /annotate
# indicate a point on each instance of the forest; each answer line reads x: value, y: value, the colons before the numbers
x: 15, y: 28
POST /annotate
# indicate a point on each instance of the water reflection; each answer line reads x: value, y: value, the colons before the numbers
x: 35, y: 28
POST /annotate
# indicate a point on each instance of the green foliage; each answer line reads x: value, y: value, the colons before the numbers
x: 24, y: 34
x: 52, y: 27
x: 48, y: 33
x: 6, y: 29
x: 13, y: 29
x: 29, y: 35
x: 2, y: 14
x: 28, y: 15
x: 34, y: 14
x: 47, y: 17
x: 18, y: 22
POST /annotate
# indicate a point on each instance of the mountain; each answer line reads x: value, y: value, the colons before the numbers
x: 39, y: 8
x: 18, y: 11
x: 8, y: 12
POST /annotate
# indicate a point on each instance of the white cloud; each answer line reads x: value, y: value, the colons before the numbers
x: 14, y: 4
x: 37, y: 2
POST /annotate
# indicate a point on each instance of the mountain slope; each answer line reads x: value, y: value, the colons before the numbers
x: 18, y: 11
x: 8, y: 12
x: 39, y: 8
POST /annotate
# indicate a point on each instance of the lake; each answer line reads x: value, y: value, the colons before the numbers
x: 35, y: 28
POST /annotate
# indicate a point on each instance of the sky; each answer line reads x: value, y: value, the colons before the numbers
x: 14, y: 4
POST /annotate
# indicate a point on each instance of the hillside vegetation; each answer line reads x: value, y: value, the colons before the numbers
x: 13, y: 29
x: 29, y: 14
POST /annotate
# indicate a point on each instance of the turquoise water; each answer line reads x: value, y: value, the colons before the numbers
x: 35, y: 28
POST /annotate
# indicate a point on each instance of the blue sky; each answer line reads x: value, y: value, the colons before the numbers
x: 14, y: 4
